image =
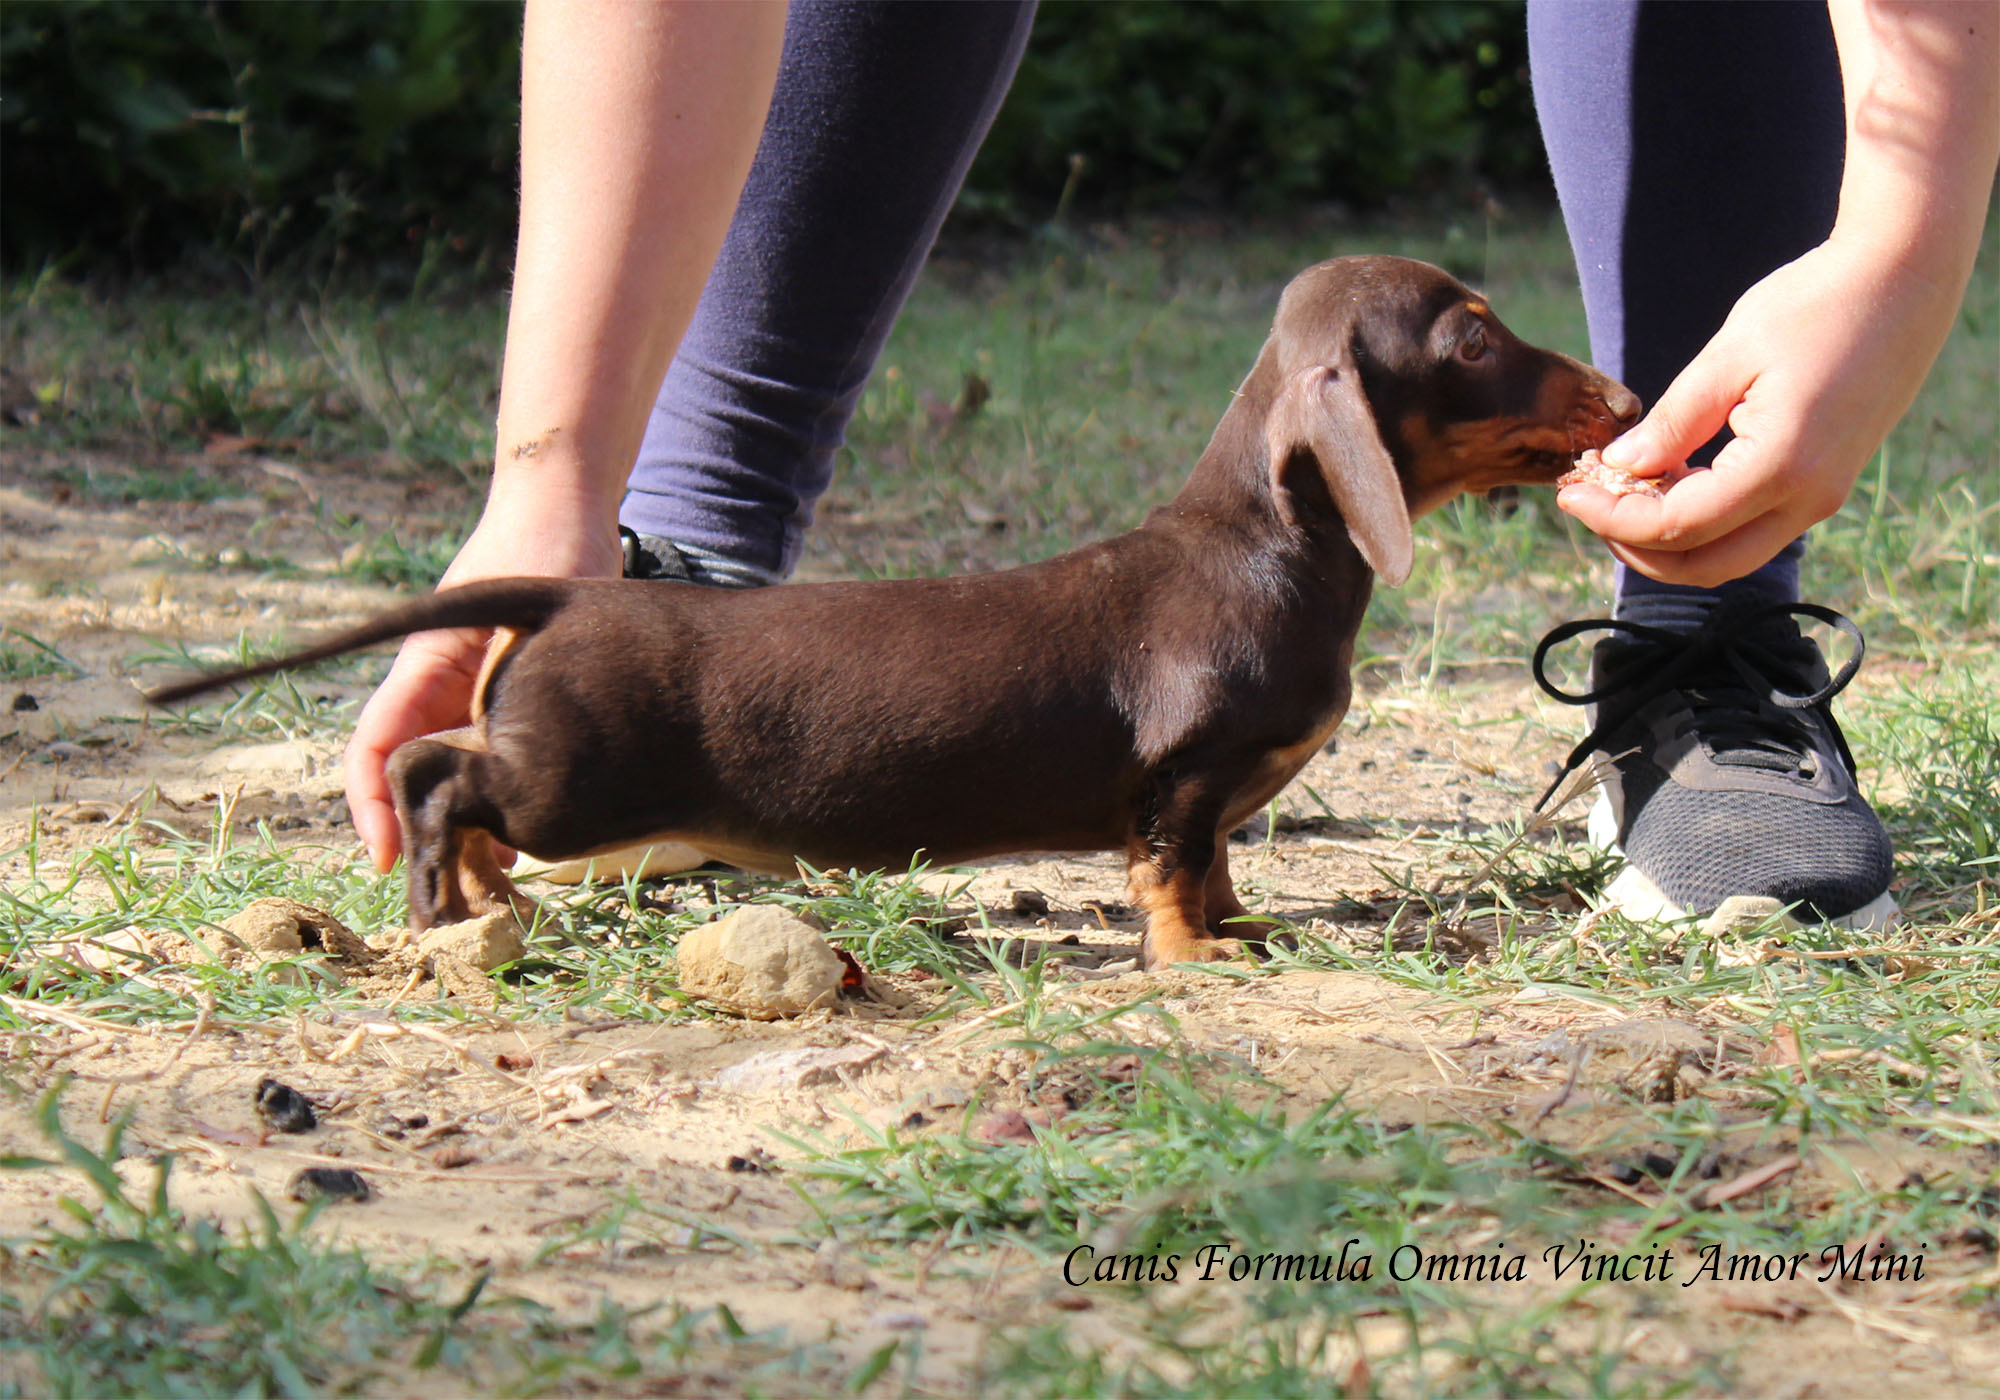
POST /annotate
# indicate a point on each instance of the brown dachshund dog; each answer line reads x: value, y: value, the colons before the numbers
x: 1145, y: 694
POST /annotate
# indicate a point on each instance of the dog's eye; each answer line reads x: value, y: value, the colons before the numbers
x: 1473, y: 346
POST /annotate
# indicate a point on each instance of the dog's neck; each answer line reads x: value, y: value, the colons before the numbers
x: 1232, y: 487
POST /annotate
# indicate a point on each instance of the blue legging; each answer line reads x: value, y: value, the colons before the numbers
x: 1696, y: 146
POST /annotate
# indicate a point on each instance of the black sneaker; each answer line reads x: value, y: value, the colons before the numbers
x: 649, y: 556
x: 1723, y: 772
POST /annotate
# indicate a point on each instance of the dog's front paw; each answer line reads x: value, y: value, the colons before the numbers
x: 1161, y: 953
x: 1254, y: 930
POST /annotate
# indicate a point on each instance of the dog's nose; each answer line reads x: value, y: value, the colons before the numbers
x: 1623, y: 404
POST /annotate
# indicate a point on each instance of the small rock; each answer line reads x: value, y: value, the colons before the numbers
x: 899, y: 1321
x: 772, y: 1070
x: 284, y: 1108
x: 274, y: 929
x: 154, y: 548
x: 283, y: 928
x: 834, y: 1265
x: 113, y: 952
x: 1747, y: 913
x: 1006, y: 1126
x: 329, y: 1184
x: 1030, y: 904
x: 490, y: 941
x: 762, y: 962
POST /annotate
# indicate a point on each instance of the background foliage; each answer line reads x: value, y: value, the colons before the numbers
x: 1265, y: 104
x: 319, y: 130
x: 254, y: 129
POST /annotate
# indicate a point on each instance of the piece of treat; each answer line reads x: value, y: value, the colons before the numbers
x: 1592, y: 470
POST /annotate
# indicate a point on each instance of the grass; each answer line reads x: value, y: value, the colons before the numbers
x: 271, y: 705
x: 1104, y: 362
x: 131, y: 1296
x: 327, y: 376
x: 24, y: 657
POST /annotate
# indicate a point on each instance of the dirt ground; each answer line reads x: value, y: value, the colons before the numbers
x: 494, y: 1143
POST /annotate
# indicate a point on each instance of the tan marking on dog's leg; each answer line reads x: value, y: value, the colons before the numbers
x: 1222, y: 904
x: 1175, y: 927
x: 1218, y: 897
x: 483, y: 887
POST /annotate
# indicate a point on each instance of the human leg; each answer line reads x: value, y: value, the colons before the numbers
x: 878, y: 112
x: 1696, y: 148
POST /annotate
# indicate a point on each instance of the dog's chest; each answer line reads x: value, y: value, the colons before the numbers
x: 1277, y: 766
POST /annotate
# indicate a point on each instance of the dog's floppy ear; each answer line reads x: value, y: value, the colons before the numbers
x: 1321, y: 409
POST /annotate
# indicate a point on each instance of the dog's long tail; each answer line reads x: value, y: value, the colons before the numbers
x: 523, y: 603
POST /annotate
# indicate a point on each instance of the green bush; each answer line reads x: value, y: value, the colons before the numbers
x: 257, y: 129
x: 320, y: 129
x: 1265, y: 104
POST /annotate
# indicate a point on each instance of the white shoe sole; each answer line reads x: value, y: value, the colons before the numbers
x: 614, y: 867
x: 1634, y: 895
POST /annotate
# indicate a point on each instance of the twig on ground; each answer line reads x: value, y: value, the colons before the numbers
x: 1748, y: 1182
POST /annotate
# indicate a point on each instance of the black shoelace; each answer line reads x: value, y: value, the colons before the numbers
x: 1735, y: 669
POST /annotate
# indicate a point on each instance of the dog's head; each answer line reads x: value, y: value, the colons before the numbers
x: 1396, y: 388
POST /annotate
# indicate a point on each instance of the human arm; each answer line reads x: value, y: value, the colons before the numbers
x: 1816, y: 362
x: 638, y: 125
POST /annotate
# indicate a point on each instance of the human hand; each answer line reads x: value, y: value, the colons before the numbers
x: 1811, y: 370
x: 430, y: 686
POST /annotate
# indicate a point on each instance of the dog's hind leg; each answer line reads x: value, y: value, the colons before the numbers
x: 454, y: 872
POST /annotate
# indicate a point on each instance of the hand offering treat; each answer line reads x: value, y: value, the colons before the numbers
x: 1592, y: 470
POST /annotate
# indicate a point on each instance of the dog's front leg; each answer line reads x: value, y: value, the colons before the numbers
x: 483, y: 886
x: 1172, y: 864
x: 1219, y: 897
x: 1221, y: 904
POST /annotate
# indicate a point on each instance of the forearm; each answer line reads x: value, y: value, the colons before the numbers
x: 1922, y: 92
x: 639, y: 119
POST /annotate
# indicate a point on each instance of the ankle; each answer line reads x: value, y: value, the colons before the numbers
x: 652, y: 557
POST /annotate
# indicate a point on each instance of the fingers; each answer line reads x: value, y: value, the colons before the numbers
x: 1694, y: 408
x: 1710, y: 565
x: 1707, y: 529
x: 1697, y: 510
x: 428, y: 689
x: 368, y: 803
x: 546, y: 533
